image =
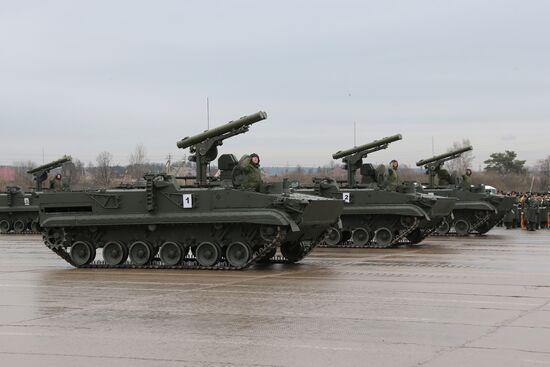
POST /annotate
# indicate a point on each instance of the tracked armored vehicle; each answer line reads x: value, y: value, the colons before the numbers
x: 476, y: 210
x: 377, y: 214
x: 207, y: 225
x: 19, y: 209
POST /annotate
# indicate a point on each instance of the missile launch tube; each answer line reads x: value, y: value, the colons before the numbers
x: 220, y: 130
x: 374, y: 144
x: 443, y: 156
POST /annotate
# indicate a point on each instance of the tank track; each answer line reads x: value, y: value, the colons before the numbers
x: 473, y: 228
x: 397, y: 241
x: 26, y: 233
x: 190, y: 263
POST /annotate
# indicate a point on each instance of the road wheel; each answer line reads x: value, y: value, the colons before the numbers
x: 115, y: 253
x: 462, y: 227
x: 171, y: 253
x: 141, y: 253
x: 208, y: 253
x: 238, y: 254
x: 360, y: 236
x: 333, y: 237
x: 82, y: 253
x: 383, y: 237
x: 5, y: 226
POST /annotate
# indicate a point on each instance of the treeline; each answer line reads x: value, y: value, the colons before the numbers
x: 502, y: 170
x: 103, y: 173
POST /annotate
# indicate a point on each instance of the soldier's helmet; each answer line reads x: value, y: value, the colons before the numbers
x: 468, y: 172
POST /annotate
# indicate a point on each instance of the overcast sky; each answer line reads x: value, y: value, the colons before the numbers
x: 80, y: 77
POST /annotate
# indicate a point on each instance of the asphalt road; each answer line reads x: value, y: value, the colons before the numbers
x: 450, y: 302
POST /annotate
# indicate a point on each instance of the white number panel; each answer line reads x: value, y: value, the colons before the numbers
x: 187, y: 201
x: 27, y: 201
x: 346, y: 196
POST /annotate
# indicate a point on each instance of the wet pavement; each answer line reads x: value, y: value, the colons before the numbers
x: 450, y: 302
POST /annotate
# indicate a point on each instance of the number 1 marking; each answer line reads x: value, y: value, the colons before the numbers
x: 187, y: 201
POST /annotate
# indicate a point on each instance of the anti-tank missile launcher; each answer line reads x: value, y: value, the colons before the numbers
x: 353, y: 157
x: 19, y: 209
x: 375, y: 215
x: 199, y: 226
x: 476, y: 210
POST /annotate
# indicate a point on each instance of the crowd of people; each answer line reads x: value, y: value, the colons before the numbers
x: 530, y: 211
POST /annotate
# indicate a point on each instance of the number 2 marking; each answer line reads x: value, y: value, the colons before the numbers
x: 346, y: 197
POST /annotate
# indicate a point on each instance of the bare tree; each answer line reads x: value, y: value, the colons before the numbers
x: 138, y: 162
x: 71, y: 173
x: 460, y: 164
x: 543, y: 169
x: 104, y: 170
x: 22, y: 178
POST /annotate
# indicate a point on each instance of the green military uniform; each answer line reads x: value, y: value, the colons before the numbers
x: 443, y: 177
x: 509, y: 218
x: 466, y: 181
x: 531, y: 214
x: 543, y: 213
x: 520, y: 212
x: 56, y: 184
x: 392, y: 177
x: 252, y: 175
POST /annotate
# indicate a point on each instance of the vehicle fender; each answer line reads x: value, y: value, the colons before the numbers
x: 387, y: 209
x: 475, y: 205
x: 259, y: 216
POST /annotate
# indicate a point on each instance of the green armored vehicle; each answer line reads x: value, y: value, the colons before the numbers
x: 209, y: 225
x: 377, y: 213
x: 476, y: 210
x: 19, y: 209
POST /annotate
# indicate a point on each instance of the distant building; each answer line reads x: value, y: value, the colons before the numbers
x: 7, y: 174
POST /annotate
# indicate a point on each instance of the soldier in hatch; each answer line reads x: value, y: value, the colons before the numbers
x: 466, y: 178
x: 443, y: 176
x: 56, y: 184
x: 250, y: 168
x: 392, y: 174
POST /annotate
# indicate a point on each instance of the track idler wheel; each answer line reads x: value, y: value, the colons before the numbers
x: 54, y: 238
x: 268, y: 233
x: 141, y: 253
x: 115, y: 253
x: 406, y: 221
x: 171, y: 253
x: 35, y: 227
x: 360, y: 236
x: 208, y: 253
x: 5, y: 226
x: 443, y: 228
x: 82, y: 253
x: 383, y: 237
x: 238, y: 254
x: 462, y: 227
x: 415, y: 236
x: 486, y: 227
x: 293, y: 251
x: 334, y: 237
x: 19, y: 226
